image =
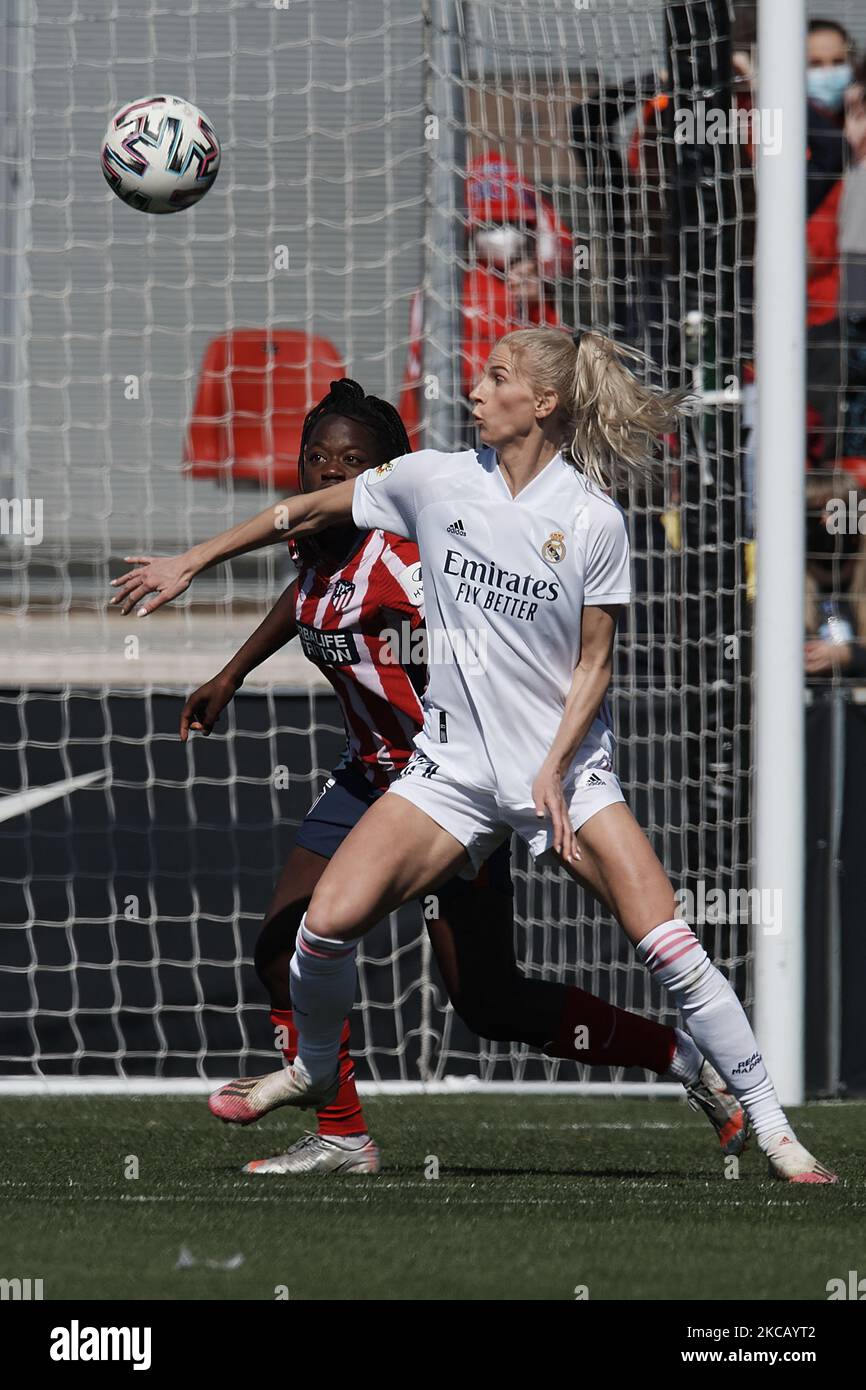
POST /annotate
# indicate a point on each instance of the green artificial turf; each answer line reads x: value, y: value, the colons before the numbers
x: 536, y: 1198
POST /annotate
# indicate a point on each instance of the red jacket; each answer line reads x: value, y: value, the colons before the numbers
x: 822, y: 283
x: 497, y: 194
x: 490, y: 309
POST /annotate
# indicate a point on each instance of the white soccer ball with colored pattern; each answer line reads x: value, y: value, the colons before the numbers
x: 160, y: 154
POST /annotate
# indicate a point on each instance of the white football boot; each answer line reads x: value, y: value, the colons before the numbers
x: 317, y: 1154
x: 710, y: 1095
x: 243, y: 1101
x: 791, y: 1162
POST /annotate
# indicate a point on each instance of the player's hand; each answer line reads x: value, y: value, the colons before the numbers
x: 205, y: 705
x: 855, y: 121
x: 166, y: 576
x: 548, y: 799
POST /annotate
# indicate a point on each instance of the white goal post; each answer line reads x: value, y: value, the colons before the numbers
x: 780, y: 821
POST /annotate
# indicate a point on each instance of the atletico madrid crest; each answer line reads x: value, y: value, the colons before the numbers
x: 343, y: 591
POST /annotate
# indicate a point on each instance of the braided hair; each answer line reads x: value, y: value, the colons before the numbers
x: 346, y: 398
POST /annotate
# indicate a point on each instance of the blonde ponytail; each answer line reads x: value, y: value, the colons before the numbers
x: 610, y: 421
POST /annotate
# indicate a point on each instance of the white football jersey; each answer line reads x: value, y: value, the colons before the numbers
x: 505, y: 580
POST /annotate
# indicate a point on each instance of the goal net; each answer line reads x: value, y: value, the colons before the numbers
x: 392, y: 175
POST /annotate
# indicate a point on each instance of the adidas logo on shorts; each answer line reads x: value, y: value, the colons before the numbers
x: 456, y: 528
x: 595, y: 781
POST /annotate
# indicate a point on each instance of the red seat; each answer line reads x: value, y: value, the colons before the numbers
x: 255, y: 388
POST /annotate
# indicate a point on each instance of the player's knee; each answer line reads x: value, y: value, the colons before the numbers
x: 332, y: 912
x: 277, y: 937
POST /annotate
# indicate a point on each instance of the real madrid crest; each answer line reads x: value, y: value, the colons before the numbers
x: 553, y: 549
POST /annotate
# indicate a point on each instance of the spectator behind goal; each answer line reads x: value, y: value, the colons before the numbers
x: 835, y: 577
x: 519, y: 253
x: 836, y: 365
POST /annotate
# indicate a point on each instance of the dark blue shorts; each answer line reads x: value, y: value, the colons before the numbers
x: 340, y: 805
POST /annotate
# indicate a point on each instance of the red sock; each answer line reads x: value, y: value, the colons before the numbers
x: 344, y: 1115
x: 599, y: 1034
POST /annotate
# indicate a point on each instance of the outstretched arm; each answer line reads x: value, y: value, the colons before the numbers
x: 169, y: 575
x: 205, y: 705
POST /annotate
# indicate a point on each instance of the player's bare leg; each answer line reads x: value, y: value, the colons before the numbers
x: 475, y: 953
x: 341, y: 1143
x: 394, y: 853
x: 474, y: 947
x: 617, y: 855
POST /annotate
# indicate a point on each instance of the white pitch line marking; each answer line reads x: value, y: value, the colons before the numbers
x: 17, y: 803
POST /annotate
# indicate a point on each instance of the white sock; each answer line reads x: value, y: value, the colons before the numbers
x: 714, y: 1016
x: 322, y: 980
x: 687, y: 1060
x: 347, y: 1141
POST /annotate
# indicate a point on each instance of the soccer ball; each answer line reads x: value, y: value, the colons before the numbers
x: 160, y: 154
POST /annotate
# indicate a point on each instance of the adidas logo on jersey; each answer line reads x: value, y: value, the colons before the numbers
x: 595, y: 781
x: 456, y: 528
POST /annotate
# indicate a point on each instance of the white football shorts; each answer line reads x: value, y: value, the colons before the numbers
x: 478, y: 819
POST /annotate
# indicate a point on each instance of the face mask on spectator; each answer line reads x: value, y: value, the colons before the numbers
x: 827, y: 85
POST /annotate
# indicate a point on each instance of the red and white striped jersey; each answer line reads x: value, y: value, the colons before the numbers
x: 345, y: 618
